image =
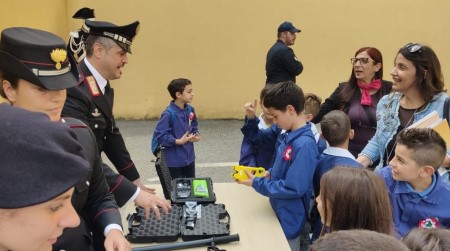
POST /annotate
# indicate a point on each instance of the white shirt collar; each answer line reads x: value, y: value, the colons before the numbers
x: 336, y: 151
x: 101, y: 81
x: 315, y: 131
x: 442, y: 171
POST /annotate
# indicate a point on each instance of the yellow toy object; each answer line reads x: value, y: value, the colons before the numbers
x: 240, y: 175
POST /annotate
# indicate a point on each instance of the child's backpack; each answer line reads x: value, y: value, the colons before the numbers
x: 155, y: 147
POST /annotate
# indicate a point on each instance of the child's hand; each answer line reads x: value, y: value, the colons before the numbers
x: 195, y: 137
x: 186, y: 137
x: 250, y: 109
x: 249, y: 181
x: 266, y: 175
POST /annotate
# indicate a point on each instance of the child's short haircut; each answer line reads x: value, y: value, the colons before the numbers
x: 264, y: 91
x: 335, y: 127
x: 427, y: 146
x: 283, y: 94
x: 356, y: 240
x: 312, y: 104
x: 177, y: 85
x: 428, y: 239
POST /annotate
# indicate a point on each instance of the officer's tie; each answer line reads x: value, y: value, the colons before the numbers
x: 109, y: 94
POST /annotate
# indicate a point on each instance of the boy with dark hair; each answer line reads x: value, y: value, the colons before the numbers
x: 288, y: 184
x: 419, y: 197
x: 336, y: 130
x: 177, y: 129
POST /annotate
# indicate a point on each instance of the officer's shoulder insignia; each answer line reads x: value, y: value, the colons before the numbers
x: 92, y: 85
x: 73, y: 123
x: 96, y: 113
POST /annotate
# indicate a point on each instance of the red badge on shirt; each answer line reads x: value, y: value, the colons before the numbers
x: 429, y: 223
x: 191, y: 118
x: 287, y: 155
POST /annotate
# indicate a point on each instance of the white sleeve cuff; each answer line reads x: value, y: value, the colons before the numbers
x: 135, y: 195
x: 111, y: 227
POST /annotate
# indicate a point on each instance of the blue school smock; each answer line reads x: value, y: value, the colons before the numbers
x: 289, y: 187
x: 185, y: 120
x: 410, y: 210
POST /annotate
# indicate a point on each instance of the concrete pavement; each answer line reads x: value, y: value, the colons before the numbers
x: 217, y: 151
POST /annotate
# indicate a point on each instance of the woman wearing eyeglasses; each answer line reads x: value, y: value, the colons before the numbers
x: 359, y: 96
x: 418, y: 89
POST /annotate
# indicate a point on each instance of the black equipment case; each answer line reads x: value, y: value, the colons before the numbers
x: 192, y: 217
x: 214, y: 221
x: 181, y: 190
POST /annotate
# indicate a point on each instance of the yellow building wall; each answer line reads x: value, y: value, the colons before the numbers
x: 221, y: 45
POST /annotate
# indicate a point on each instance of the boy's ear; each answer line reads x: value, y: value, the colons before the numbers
x: 309, y: 117
x: 351, y: 134
x: 178, y: 94
x: 290, y: 109
x: 427, y: 171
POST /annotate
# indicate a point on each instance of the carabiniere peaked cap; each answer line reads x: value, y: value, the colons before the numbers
x: 41, y: 159
x: 84, y: 13
x: 38, y: 57
x: 122, y: 35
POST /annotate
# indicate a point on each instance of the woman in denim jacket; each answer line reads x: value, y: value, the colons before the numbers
x: 418, y: 89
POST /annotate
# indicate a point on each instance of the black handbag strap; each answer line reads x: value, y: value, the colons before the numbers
x: 446, y: 109
x: 372, y: 120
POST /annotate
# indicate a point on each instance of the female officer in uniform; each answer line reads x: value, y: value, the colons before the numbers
x: 35, y: 204
x: 35, y: 71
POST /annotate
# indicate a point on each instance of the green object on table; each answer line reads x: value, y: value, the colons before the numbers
x: 200, y: 188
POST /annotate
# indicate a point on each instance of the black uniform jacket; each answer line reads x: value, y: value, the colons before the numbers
x: 87, y: 103
x: 91, y: 199
x: 282, y: 64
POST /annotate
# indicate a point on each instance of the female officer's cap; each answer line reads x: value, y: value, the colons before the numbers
x: 41, y: 159
x: 38, y: 57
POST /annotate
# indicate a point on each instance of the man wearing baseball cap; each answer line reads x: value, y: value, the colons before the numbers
x: 281, y: 62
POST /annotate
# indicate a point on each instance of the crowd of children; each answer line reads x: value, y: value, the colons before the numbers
x: 304, y: 166
x: 406, y: 194
x: 315, y: 185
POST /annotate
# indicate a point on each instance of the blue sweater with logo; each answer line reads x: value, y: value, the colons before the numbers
x: 412, y: 209
x: 289, y: 187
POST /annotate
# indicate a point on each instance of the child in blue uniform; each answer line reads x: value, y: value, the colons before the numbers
x: 312, y: 108
x: 261, y: 154
x: 288, y: 184
x: 177, y: 129
x: 258, y: 155
x: 354, y: 198
x: 419, y: 197
x: 336, y: 130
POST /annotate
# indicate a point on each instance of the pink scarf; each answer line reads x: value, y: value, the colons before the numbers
x: 365, y: 88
